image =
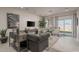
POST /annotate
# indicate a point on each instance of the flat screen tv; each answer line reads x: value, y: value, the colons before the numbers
x: 30, y: 24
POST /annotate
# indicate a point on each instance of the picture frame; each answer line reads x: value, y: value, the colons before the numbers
x: 12, y: 19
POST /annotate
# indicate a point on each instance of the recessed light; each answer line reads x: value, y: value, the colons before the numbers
x: 22, y: 7
x: 50, y: 11
x: 66, y: 9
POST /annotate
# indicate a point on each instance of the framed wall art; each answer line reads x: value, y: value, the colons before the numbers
x: 12, y: 19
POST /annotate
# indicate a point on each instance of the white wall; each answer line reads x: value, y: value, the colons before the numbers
x: 24, y: 16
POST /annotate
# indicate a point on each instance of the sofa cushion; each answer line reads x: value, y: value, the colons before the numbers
x: 41, y: 37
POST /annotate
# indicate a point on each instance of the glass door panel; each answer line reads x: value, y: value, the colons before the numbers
x: 65, y: 25
x: 68, y: 25
x: 61, y: 25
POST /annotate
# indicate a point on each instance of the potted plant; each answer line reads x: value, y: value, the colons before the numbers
x: 3, y: 36
x: 42, y: 23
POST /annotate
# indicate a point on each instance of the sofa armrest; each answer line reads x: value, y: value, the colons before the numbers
x: 32, y: 37
x: 44, y: 36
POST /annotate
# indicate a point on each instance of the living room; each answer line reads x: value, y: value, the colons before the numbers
x: 28, y: 19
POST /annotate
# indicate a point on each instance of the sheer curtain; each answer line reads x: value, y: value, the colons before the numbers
x: 74, y: 25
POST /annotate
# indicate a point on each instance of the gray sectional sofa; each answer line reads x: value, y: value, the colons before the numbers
x: 37, y: 43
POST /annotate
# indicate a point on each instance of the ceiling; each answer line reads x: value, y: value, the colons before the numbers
x: 45, y: 11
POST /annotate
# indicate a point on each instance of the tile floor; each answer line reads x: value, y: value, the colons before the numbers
x: 67, y: 44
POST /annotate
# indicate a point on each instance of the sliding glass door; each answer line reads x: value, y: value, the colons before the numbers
x: 65, y: 25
